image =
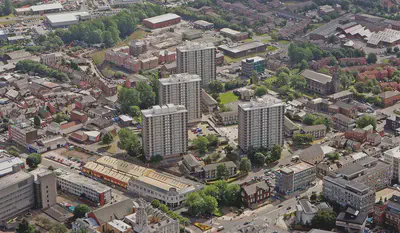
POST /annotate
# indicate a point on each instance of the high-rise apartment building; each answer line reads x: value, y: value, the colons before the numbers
x: 182, y: 89
x: 261, y: 123
x: 197, y: 58
x: 164, y: 130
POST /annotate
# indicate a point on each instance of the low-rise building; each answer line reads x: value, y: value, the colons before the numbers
x: 233, y: 34
x: 305, y: 211
x: 388, y: 213
x: 208, y: 103
x: 85, y: 188
x: 210, y: 170
x: 389, y: 98
x: 22, y: 133
x: 227, y: 118
x: 343, y: 123
x: 317, y: 131
x: 254, y: 65
x: 295, y: 177
x: 161, y: 21
x: 351, y: 220
x: 255, y: 192
x: 204, y: 25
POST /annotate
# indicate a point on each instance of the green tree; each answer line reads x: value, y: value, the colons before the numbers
x: 302, y: 139
x: 303, y: 65
x: 156, y: 159
x: 259, y: 159
x: 309, y: 119
x: 36, y: 120
x: 276, y: 152
x: 14, y: 151
x: 107, y: 138
x: 81, y: 210
x: 333, y: 156
x: 345, y: 5
x: 222, y: 172
x: 298, y: 82
x: 366, y: 120
x: 396, y: 49
x: 60, y: 117
x: 129, y: 141
x: 372, y: 58
x: 58, y: 228
x: 210, y: 204
x: 134, y: 111
x: 7, y: 8
x: 201, y: 144
x: 25, y: 227
x: 33, y: 160
x: 212, y: 140
x: 128, y: 97
x: 147, y: 96
x: 155, y: 203
x: 245, y: 165
x: 215, y: 86
x: 232, y: 194
x: 324, y: 219
x: 260, y: 91
x: 389, y: 50
x: 212, y: 190
x: 108, y: 39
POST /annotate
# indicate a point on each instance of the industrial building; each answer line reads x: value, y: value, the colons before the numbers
x: 233, y: 34
x: 164, y: 130
x: 40, y: 9
x: 261, y: 123
x: 169, y: 189
x: 161, y: 21
x: 243, y: 50
x: 203, y: 25
x: 79, y: 186
x: 67, y: 19
x: 182, y: 89
x: 7, y: 162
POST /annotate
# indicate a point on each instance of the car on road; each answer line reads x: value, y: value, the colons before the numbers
x: 246, y: 223
x: 289, y: 208
x: 280, y: 205
x: 220, y: 228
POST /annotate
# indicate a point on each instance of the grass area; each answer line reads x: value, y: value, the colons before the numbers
x: 228, y: 59
x: 271, y: 48
x: 271, y: 80
x: 385, y: 61
x: 98, y: 57
x: 265, y: 40
x: 248, y: 40
x: 10, y: 16
x: 228, y: 97
x: 284, y: 42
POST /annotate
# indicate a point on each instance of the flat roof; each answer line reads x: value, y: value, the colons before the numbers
x: 299, y: 167
x: 46, y: 7
x: 14, y: 178
x: 163, y: 110
x: 242, y: 47
x: 180, y: 78
x: 162, y: 18
x: 84, y: 181
x: 261, y: 102
x: 66, y: 17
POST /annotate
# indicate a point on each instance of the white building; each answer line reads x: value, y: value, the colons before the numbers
x: 182, y: 89
x: 79, y: 185
x: 67, y: 19
x: 164, y: 130
x: 261, y: 122
x: 197, y: 58
x: 392, y: 156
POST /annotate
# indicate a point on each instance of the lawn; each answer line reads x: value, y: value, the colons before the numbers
x: 248, y: 40
x: 284, y: 42
x: 98, y: 57
x: 10, y: 16
x: 265, y: 40
x: 271, y: 48
x: 228, y: 97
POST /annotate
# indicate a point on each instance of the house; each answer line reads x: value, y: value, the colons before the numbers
x: 210, y: 170
x: 347, y: 109
x: 389, y: 98
x: 317, y: 131
x: 191, y: 164
x: 342, y: 122
x: 305, y: 211
x: 255, y: 192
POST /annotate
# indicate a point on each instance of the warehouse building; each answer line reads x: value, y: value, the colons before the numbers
x: 203, y: 25
x: 169, y: 189
x: 162, y: 21
x: 233, y: 34
x: 243, y: 50
x: 40, y: 9
x: 67, y: 19
x: 79, y: 186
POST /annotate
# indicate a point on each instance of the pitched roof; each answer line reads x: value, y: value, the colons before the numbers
x: 114, y: 211
x: 252, y: 188
x: 311, y: 153
x: 318, y: 77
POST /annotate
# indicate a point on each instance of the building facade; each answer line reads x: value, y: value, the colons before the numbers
x: 296, y: 177
x: 254, y: 65
x: 164, y: 130
x: 255, y: 193
x: 392, y: 156
x: 45, y: 190
x: 22, y: 133
x: 182, y: 89
x: 261, y: 123
x: 197, y: 58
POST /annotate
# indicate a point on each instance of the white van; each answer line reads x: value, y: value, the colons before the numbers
x: 220, y: 228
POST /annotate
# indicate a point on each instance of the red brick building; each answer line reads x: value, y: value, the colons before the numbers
x: 162, y: 21
x: 78, y: 116
x: 389, y: 98
x: 388, y: 213
x: 255, y: 192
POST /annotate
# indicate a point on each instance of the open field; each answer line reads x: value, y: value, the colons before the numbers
x: 228, y: 97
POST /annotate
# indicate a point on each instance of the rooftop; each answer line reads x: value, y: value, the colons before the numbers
x: 46, y: 7
x: 191, y: 46
x: 261, y: 102
x: 318, y: 77
x: 180, y: 78
x: 242, y: 47
x: 164, y: 110
x: 162, y: 18
x: 66, y: 17
x: 84, y: 181
x: 13, y: 178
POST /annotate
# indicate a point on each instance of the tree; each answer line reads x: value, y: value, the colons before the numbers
x: 222, y: 171
x: 333, y: 156
x: 81, y: 210
x: 345, y: 5
x: 60, y: 117
x: 147, y: 96
x: 303, y: 65
x: 25, y: 227
x: 260, y: 91
x: 259, y: 159
x: 128, y: 97
x: 228, y: 149
x: 36, y: 120
x: 215, y: 86
x: 212, y: 140
x: 129, y: 141
x: 314, y: 196
x: 309, y: 119
x: 324, y: 219
x: 134, y: 111
x: 232, y: 194
x: 298, y: 82
x: 155, y: 203
x: 302, y: 139
x: 156, y: 159
x: 108, y: 39
x: 245, y: 165
x: 372, y: 58
x: 58, y: 228
x: 14, y: 151
x: 276, y: 152
x: 396, y: 49
x: 210, y: 204
x: 107, y: 138
x: 389, y: 50
x: 212, y: 190
x: 33, y: 160
x: 7, y: 8
x: 201, y: 144
x: 366, y: 120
